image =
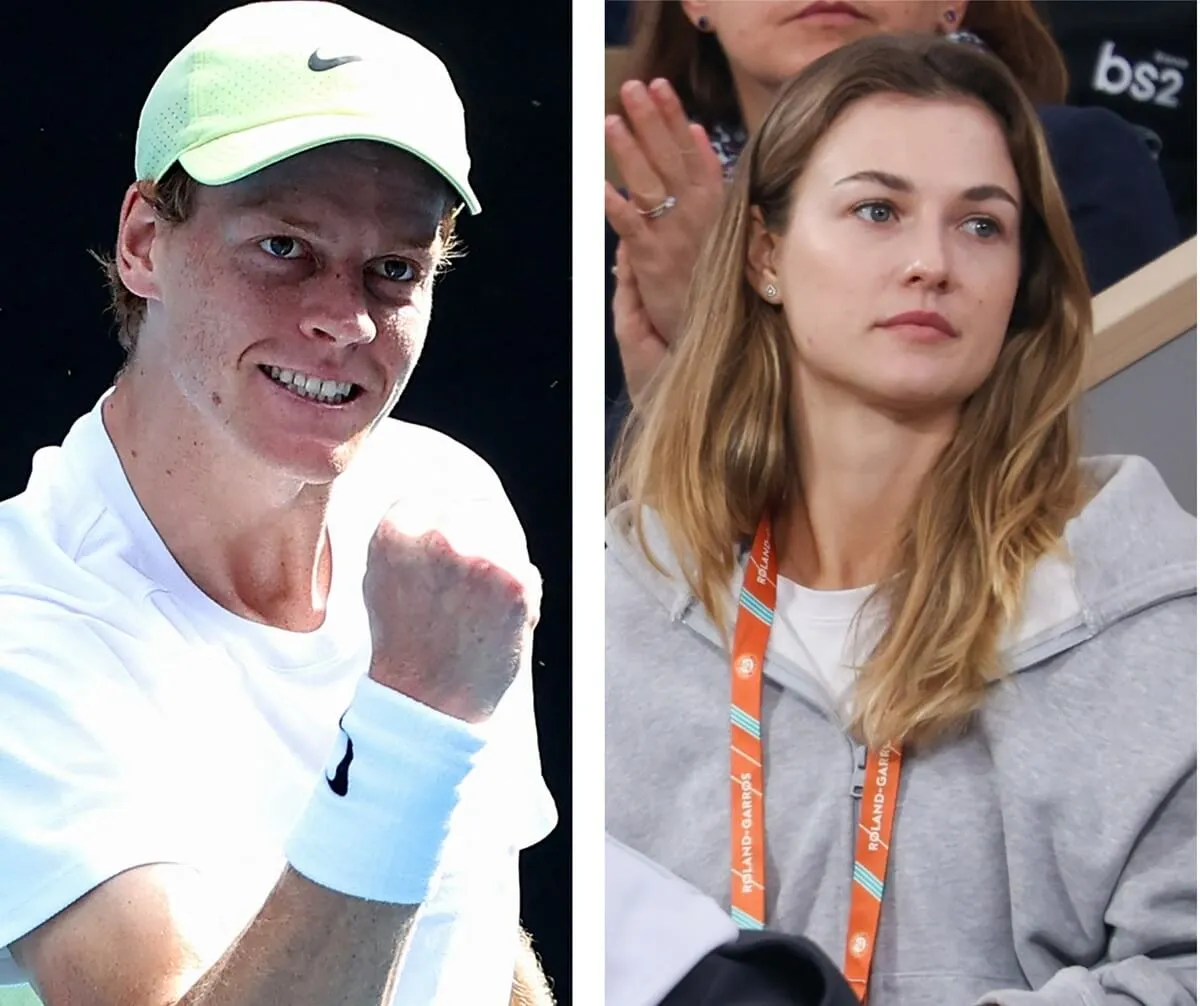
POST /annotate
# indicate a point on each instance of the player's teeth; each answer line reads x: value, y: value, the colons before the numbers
x: 312, y: 387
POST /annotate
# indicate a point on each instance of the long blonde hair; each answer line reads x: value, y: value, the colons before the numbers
x: 711, y: 449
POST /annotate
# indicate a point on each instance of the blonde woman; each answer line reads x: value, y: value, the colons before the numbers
x: 718, y: 64
x: 888, y: 665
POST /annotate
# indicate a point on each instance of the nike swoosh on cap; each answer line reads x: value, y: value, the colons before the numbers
x: 317, y: 63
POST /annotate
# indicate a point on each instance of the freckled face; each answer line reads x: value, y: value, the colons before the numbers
x: 321, y: 265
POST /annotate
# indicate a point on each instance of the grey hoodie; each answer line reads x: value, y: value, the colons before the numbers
x: 1045, y: 858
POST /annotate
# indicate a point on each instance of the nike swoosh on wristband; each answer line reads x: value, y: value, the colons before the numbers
x: 318, y: 64
x: 340, y: 783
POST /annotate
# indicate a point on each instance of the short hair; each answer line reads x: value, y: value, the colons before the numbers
x: 173, y: 199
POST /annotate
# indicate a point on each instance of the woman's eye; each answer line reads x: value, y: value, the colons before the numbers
x: 983, y: 227
x: 281, y: 247
x: 396, y: 270
x: 876, y: 213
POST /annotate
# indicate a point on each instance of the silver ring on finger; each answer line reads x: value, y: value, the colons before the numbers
x: 657, y: 211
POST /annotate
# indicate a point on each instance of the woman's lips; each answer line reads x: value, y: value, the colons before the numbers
x: 839, y: 10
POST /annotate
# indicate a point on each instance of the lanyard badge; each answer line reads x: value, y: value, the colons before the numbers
x: 752, y: 629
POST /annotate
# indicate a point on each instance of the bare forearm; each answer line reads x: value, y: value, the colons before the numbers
x: 310, y: 946
x: 529, y: 983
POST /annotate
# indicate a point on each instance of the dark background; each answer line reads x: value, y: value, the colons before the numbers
x: 496, y: 370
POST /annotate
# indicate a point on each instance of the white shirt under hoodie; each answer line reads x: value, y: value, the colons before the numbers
x: 1045, y: 857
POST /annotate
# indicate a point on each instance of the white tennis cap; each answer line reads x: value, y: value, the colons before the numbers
x: 269, y: 80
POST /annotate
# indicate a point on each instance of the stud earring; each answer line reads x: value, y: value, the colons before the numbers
x: 771, y: 291
x: 950, y: 16
x: 703, y: 23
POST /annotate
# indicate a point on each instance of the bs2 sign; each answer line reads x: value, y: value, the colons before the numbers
x: 1141, y: 81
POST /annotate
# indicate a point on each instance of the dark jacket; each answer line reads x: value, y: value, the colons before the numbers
x: 667, y: 944
x: 1114, y: 191
x: 1137, y: 58
x: 764, y: 969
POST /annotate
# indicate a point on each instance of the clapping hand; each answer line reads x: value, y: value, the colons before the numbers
x: 675, y: 186
x: 643, y: 349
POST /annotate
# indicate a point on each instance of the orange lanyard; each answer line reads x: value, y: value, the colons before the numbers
x: 756, y: 611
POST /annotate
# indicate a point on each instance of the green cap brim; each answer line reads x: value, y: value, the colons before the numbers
x: 237, y: 155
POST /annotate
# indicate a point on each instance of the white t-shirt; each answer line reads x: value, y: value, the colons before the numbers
x: 821, y: 632
x: 812, y: 629
x: 141, y: 722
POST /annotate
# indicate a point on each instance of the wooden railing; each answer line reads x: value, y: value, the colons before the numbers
x: 1143, y: 311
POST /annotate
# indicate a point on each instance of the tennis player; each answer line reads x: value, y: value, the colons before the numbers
x: 268, y: 732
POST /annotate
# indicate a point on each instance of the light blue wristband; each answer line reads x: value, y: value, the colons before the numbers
x: 376, y: 823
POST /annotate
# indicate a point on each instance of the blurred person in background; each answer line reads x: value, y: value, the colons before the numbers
x: 877, y: 635
x: 1137, y: 58
x: 700, y: 76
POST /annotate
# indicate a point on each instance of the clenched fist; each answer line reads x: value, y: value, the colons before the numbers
x: 448, y: 629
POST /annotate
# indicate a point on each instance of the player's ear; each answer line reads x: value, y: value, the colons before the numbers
x: 137, y: 231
